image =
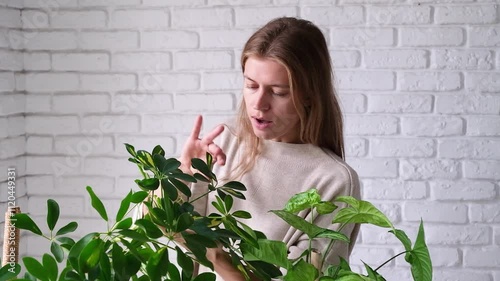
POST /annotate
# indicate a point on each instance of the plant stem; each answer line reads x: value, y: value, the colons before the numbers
x: 330, y: 245
x: 387, y: 261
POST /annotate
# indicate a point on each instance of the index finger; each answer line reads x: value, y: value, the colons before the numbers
x: 209, y: 138
x: 195, y: 133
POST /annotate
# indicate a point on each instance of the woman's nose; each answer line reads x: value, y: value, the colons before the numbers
x: 261, y: 100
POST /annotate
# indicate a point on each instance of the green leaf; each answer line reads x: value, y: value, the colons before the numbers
x: 173, y: 272
x: 274, y: 252
x: 145, y: 158
x: 119, y: 262
x: 228, y: 203
x: 35, y: 268
x: 185, y: 262
x: 401, y: 235
x: 158, y: 150
x: 201, y: 166
x: 182, y: 187
x: 23, y: 221
x: 200, y: 177
x: 421, y: 265
x: 70, y: 227
x: 8, y: 272
x: 302, y: 271
x: 236, y: 185
x: 66, y: 242
x: 373, y: 274
x: 169, y: 189
x: 97, y: 204
x: 233, y: 192
x: 311, y: 230
x: 242, y: 214
x: 166, y: 166
x: 205, y: 276
x: 89, y: 257
x: 124, y: 205
x: 52, y: 213
x: 151, y: 229
x: 130, y: 149
x: 124, y: 224
x: 105, y: 266
x: 360, y: 211
x: 183, y: 177
x: 302, y: 201
x: 136, y: 235
x: 149, y: 184
x: 157, y: 265
x: 325, y: 207
x: 138, y: 197
x: 197, y: 245
x: 50, y: 265
x: 184, y: 221
x: 57, y: 251
x: 76, y: 250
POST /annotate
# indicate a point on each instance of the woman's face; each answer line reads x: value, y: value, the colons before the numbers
x: 268, y: 100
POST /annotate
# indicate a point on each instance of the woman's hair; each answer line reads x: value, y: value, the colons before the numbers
x: 301, y: 48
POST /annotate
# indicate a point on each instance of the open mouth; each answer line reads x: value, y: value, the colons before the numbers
x: 262, y: 121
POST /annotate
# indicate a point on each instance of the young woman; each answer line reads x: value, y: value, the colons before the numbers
x: 286, y: 139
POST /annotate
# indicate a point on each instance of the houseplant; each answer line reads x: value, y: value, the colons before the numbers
x: 139, y: 250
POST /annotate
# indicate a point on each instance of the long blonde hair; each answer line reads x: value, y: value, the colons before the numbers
x: 302, y: 49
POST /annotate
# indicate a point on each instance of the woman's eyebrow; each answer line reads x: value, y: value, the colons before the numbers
x: 286, y: 86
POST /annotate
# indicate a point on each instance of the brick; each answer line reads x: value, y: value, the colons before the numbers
x: 482, y: 82
x: 20, y: 192
x: 365, y: 80
x: 484, y: 36
x: 402, y: 147
x: 469, y: 148
x: 108, y: 82
x: 145, y: 143
x: 7, y: 82
x: 353, y: 103
x: 390, y: 59
x: 16, y: 39
x: 53, y: 165
x: 151, y: 62
x: 16, y: 126
x: 239, y: 2
x: 106, y: 166
x: 482, y: 169
x: 12, y: 104
x: 12, y: 61
x: 12, y: 147
x: 139, y: 19
x: 20, y: 81
x: 455, y: 235
x: 11, y: 4
x: 416, y: 169
x: 51, y: 82
x: 222, y: 81
x: 142, y: 102
x: 48, y: 5
x: 435, y: 212
x: 34, y: 19
x: 81, y: 103
x: 4, y: 124
x: 53, y: 125
x: 375, y: 168
x: 388, y: 189
x: 70, y: 206
x: 167, y: 123
x: 477, y: 14
x: 4, y: 38
x: 177, y: 82
x: 369, y: 1
x: 38, y: 103
x: 257, y: 16
x: 470, y: 104
x: 105, y: 3
x: 371, y: 255
x: 431, y: 36
x: 463, y: 190
x: 385, y: 15
x: 484, y: 213
x: 80, y: 62
x: 191, y: 60
x: 358, y: 37
x: 430, y: 81
x: 463, y: 59
x: 224, y: 38
x: 10, y: 18
x: 169, y: 3
x: 104, y: 124
x: 485, y: 257
x: 36, y: 61
x: 391, y: 211
x: 374, y: 235
x: 355, y: 147
x: 206, y: 17
x: 370, y: 125
x: 108, y: 40
x: 78, y: 19
x: 345, y: 59
x: 77, y: 184
x: 445, y: 257
x: 169, y: 39
x: 38, y: 145
x: 83, y: 145
x: 336, y: 16
x: 400, y: 103
x: 19, y: 163
x: 204, y: 102
x: 483, y: 126
x: 50, y: 40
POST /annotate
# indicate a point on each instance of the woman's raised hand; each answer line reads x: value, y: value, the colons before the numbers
x: 196, y: 147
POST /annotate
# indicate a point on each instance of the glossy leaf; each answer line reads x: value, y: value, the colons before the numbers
x: 70, y: 227
x: 76, y: 250
x: 235, y: 185
x: 35, y: 268
x: 124, y: 205
x: 302, y: 271
x: 401, y: 235
x: 97, y: 204
x: 136, y: 235
x: 201, y: 166
x: 373, y: 274
x: 57, y: 251
x: 118, y: 262
x: 52, y: 213
x: 274, y: 252
x: 185, y: 262
x: 183, y: 177
x: 8, y: 272
x: 149, y: 184
x: 173, y: 272
x: 130, y: 149
x: 184, y: 221
x: 157, y: 265
x: 166, y: 166
x: 421, y: 266
x: 151, y: 229
x: 228, y: 203
x: 200, y: 177
x: 205, y: 276
x: 360, y: 211
x: 105, y: 267
x: 325, y: 207
x: 197, y: 244
x: 169, y: 189
x: 66, y: 242
x: 124, y: 224
x: 50, y: 265
x: 23, y: 221
x: 145, y: 158
x: 158, y: 150
x: 302, y: 201
x: 182, y: 187
x: 138, y: 197
x: 242, y: 214
x: 89, y: 257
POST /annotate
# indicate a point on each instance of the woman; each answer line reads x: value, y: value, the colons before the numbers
x: 286, y: 139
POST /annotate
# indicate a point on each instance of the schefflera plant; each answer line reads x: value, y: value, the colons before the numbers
x: 139, y: 250
x: 304, y: 268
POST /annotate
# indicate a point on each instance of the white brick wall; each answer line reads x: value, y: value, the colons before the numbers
x: 419, y: 83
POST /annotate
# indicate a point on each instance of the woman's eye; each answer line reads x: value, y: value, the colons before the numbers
x: 279, y: 94
x: 251, y: 86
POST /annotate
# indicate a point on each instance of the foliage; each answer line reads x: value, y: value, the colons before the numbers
x: 139, y: 250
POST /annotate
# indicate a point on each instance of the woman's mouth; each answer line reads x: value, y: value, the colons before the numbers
x: 260, y: 123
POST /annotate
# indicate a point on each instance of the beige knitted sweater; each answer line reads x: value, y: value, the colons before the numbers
x: 282, y: 170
